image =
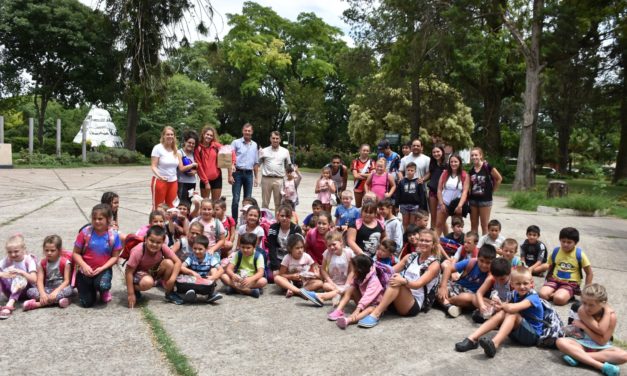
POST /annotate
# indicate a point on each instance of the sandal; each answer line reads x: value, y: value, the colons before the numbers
x: 5, y: 312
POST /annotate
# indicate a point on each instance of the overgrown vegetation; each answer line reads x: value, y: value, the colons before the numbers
x: 102, y: 156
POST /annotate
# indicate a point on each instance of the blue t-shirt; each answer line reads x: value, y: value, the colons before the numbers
x: 346, y: 216
x: 473, y: 280
x: 307, y: 219
x: 203, y: 267
x: 534, y: 314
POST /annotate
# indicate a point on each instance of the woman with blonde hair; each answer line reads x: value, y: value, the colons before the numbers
x: 164, y: 161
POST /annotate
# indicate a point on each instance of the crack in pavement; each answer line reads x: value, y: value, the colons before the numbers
x: 80, y: 209
x: 108, y: 177
x: 61, y: 180
x: 28, y: 213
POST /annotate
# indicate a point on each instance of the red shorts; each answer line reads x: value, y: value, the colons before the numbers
x: 557, y: 284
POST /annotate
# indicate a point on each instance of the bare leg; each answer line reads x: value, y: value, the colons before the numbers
x: 484, y: 216
x: 492, y: 323
x: 511, y: 321
x: 285, y: 284
x: 474, y: 218
x: 433, y: 209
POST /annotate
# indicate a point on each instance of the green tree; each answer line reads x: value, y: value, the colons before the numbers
x: 144, y: 30
x: 619, y: 52
x: 65, y: 48
x: 381, y: 108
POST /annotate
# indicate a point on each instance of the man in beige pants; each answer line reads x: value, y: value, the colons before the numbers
x: 273, y: 160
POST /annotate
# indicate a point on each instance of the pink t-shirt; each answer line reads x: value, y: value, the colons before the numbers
x: 210, y: 229
x: 144, y: 261
x: 379, y: 185
x: 315, y: 245
x: 324, y: 195
x: 99, y: 250
x: 297, y: 266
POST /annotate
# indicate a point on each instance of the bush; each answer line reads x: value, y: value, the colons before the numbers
x: 39, y: 159
x: 507, y: 171
x: 317, y: 156
x: 226, y: 139
x: 586, y: 203
x: 50, y: 146
x: 525, y: 200
x: 115, y: 156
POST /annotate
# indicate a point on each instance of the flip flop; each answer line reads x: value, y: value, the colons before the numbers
x: 5, y: 312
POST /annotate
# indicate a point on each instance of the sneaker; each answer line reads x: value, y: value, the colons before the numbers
x: 64, y: 302
x: 453, y: 310
x: 214, y: 298
x: 29, y: 304
x: 466, y: 345
x: 335, y: 315
x: 570, y: 361
x: 488, y: 346
x: 477, y: 317
x: 311, y: 296
x: 138, y: 296
x: 173, y: 297
x: 229, y: 290
x: 106, y: 296
x: 255, y: 293
x: 368, y: 322
x: 190, y: 296
x: 610, y: 369
x: 342, y: 322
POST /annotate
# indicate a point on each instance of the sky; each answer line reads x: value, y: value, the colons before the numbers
x: 329, y: 10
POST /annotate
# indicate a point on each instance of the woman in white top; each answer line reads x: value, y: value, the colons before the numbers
x: 164, y: 161
x: 452, y: 192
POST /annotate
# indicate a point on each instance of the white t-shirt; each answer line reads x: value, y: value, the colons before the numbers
x: 273, y: 161
x: 337, y: 266
x: 297, y: 266
x: 452, y: 189
x: 412, y: 273
x: 241, y: 230
x: 168, y: 162
x: 422, y: 164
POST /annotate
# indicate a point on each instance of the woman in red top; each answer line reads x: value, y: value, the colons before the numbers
x: 361, y: 167
x: 206, y: 155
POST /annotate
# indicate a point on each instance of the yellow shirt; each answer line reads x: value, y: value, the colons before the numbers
x: 566, y: 265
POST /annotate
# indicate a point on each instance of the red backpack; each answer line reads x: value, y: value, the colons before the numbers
x: 129, y: 243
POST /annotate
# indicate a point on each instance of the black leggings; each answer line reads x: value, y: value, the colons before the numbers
x: 88, y: 286
x: 183, y: 192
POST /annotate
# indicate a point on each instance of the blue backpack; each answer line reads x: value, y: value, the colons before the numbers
x: 578, y: 255
x: 552, y: 326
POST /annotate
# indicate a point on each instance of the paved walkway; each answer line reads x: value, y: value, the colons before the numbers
x: 243, y: 335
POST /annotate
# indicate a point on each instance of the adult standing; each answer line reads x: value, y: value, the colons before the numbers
x: 164, y: 160
x: 437, y: 165
x: 206, y: 155
x: 187, y: 179
x: 246, y: 167
x: 361, y: 168
x: 339, y: 175
x: 452, y: 192
x: 484, y: 181
x: 421, y: 161
x: 273, y: 160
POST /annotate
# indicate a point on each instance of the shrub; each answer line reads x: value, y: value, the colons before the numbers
x: 226, y: 139
x: 507, y: 171
x: 582, y: 202
x: 317, y: 156
x: 115, y: 156
x: 525, y: 200
x: 50, y: 146
x: 39, y: 159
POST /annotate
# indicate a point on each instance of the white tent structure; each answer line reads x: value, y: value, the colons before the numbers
x: 100, y: 130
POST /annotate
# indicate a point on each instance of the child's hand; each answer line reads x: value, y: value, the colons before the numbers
x: 131, y: 300
x: 43, y: 299
x: 196, y: 275
x: 97, y: 271
x: 397, y: 280
x: 53, y: 296
x: 88, y: 271
x: 237, y: 278
x: 443, y: 292
x: 245, y: 282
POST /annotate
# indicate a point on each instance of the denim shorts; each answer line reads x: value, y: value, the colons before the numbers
x: 524, y: 334
x: 409, y: 209
x: 480, y: 204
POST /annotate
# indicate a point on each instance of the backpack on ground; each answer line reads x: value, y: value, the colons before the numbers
x: 384, y: 272
x: 552, y: 326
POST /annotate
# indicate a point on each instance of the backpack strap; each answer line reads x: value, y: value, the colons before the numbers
x: 553, y: 257
x: 471, y: 264
x: 239, y: 261
x: 217, y: 226
x: 358, y: 223
x: 578, y: 255
x: 87, y: 238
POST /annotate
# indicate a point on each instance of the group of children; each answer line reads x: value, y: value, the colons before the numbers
x: 367, y: 255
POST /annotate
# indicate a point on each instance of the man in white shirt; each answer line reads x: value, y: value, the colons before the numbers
x: 273, y: 160
x: 422, y: 162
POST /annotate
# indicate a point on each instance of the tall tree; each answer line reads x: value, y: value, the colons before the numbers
x: 525, y: 177
x: 620, y: 52
x: 145, y: 30
x: 65, y: 48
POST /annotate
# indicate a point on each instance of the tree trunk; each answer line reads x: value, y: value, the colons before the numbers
x: 132, y: 121
x: 621, y: 159
x: 414, y: 114
x: 491, y: 115
x: 525, y: 167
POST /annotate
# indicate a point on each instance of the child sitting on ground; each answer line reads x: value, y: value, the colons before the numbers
x: 565, y: 269
x: 410, y: 240
x: 469, y: 248
x: 155, y: 218
x: 213, y: 228
x: 497, y: 287
x: 518, y: 319
x: 454, y: 296
x: 366, y: 291
x: 245, y: 273
x: 493, y: 237
x: 316, y: 208
x: 149, y: 262
x: 346, y: 213
x: 298, y: 272
x: 533, y: 252
x: 393, y: 226
x: 219, y: 211
x: 509, y: 250
x: 18, y: 272
x: 199, y: 272
x: 53, y: 277
x: 595, y: 322
x: 251, y: 225
x: 458, y: 230
x: 422, y: 219
x: 183, y: 247
x: 385, y: 252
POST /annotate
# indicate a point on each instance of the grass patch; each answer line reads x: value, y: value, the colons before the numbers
x: 584, y: 195
x: 178, y: 361
x: 618, y: 343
